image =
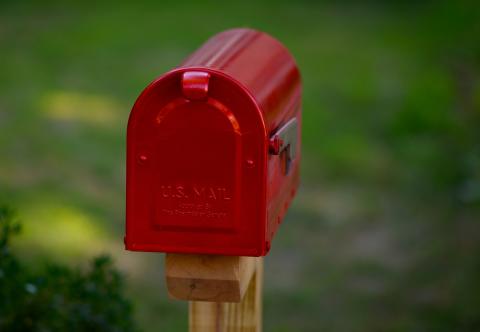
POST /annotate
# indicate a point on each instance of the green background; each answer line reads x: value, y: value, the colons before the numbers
x: 384, y: 234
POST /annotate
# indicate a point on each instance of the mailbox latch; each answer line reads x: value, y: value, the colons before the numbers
x: 195, y: 85
x: 283, y: 142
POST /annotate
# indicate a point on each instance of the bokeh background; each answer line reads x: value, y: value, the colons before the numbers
x: 384, y: 234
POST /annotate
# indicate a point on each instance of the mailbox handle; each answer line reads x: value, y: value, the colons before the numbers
x: 284, y: 140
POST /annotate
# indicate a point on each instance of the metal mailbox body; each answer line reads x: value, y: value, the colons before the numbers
x: 213, y: 149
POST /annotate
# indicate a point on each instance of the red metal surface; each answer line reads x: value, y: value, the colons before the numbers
x: 200, y: 177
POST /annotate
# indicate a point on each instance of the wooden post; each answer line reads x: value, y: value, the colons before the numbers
x: 225, y: 292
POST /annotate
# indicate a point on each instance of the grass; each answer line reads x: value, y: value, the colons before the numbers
x: 383, y: 232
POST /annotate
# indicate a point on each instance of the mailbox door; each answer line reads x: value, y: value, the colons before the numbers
x: 197, y: 167
x: 196, y: 170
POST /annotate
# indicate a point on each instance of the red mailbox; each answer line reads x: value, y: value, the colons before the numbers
x: 213, y: 149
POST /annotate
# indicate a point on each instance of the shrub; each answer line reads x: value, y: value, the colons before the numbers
x: 59, y: 298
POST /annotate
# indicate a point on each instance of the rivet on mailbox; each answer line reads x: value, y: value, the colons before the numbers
x: 218, y: 140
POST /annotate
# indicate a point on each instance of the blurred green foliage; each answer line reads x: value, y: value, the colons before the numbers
x: 384, y: 234
x: 58, y: 298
